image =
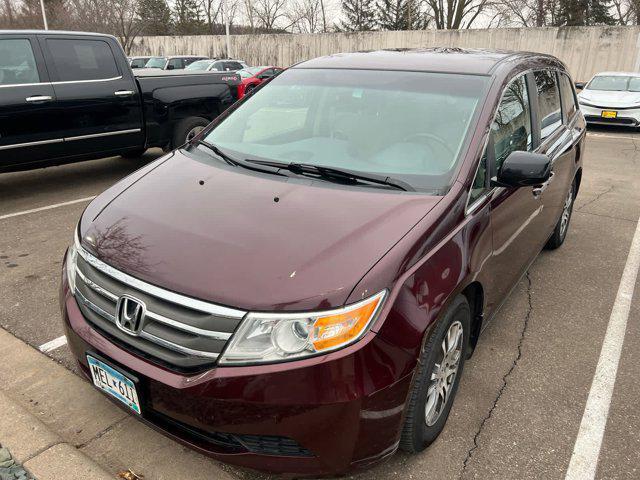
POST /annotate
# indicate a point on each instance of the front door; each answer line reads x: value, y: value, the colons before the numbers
x: 517, y: 214
x: 98, y: 99
x: 28, y: 130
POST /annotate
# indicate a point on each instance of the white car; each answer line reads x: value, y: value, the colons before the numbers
x: 611, y: 98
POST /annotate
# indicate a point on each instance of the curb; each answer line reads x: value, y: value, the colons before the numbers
x: 40, y: 451
x: 60, y: 427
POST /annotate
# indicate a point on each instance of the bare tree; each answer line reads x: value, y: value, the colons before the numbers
x: 272, y: 13
x: 455, y: 14
x: 517, y: 13
x: 305, y: 16
x: 212, y: 14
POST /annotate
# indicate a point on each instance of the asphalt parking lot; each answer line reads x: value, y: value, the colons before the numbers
x: 523, y: 394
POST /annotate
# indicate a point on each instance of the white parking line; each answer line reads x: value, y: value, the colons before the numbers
x: 584, y: 459
x: 53, y: 344
x: 48, y: 207
x: 608, y: 135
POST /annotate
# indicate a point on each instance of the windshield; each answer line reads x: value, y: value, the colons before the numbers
x: 615, y: 83
x: 408, y: 125
x: 156, y: 62
x: 249, y: 72
x: 199, y: 65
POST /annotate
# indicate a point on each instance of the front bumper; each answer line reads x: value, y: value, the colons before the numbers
x: 625, y: 117
x: 320, y: 416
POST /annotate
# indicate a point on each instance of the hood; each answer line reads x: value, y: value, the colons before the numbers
x: 604, y: 98
x: 250, y: 241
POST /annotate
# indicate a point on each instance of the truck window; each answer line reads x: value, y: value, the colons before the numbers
x: 17, y: 63
x: 82, y: 59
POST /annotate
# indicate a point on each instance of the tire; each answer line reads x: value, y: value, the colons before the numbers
x: 421, y: 429
x: 186, y: 129
x: 133, y: 153
x: 249, y: 89
x: 560, y: 231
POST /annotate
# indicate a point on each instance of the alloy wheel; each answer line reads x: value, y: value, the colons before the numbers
x: 444, y: 373
x: 566, y: 213
x: 193, y: 132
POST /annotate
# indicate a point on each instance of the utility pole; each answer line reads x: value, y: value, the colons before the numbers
x: 225, y: 11
x: 44, y: 15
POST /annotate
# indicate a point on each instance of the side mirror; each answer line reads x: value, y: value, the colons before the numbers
x: 521, y: 169
x: 170, y: 67
x: 579, y: 85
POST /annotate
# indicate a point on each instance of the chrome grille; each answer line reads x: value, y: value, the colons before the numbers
x: 178, y: 331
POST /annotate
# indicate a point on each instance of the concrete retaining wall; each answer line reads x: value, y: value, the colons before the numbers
x: 585, y: 50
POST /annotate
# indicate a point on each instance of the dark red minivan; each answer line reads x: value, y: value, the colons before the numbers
x: 297, y: 289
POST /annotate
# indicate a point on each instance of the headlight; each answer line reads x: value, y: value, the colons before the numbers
x: 274, y: 337
x: 72, y: 256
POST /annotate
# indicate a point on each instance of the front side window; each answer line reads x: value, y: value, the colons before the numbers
x: 549, y: 112
x: 408, y: 125
x: 82, y: 59
x: 511, y: 128
x: 17, y: 63
x: 568, y: 97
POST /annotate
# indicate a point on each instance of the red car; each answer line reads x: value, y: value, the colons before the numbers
x: 251, y: 77
x: 297, y: 289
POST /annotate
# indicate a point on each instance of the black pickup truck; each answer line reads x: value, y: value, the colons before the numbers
x: 68, y: 96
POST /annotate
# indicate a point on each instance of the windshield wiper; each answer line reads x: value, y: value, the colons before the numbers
x: 236, y: 161
x: 337, y: 174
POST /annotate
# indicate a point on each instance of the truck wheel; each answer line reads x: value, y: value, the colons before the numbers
x: 436, y: 380
x: 186, y: 129
x: 138, y: 152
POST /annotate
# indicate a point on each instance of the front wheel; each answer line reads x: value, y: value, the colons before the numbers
x: 186, y: 129
x: 560, y: 231
x: 436, y: 383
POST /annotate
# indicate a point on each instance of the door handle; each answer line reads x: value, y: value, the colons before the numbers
x: 537, y: 191
x: 123, y: 93
x: 39, y: 98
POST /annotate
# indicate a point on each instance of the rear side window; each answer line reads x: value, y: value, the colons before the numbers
x: 232, y: 66
x: 511, y: 129
x: 138, y: 63
x: 82, y: 59
x: 549, y: 112
x: 17, y: 63
x: 568, y: 98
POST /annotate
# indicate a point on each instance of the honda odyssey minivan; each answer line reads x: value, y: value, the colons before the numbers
x: 297, y: 289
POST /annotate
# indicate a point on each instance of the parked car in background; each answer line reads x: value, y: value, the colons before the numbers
x: 611, y: 98
x: 175, y: 62
x: 254, y: 76
x: 297, y: 289
x: 138, y: 62
x: 68, y: 96
x: 220, y: 65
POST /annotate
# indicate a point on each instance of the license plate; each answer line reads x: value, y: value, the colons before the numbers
x: 114, y: 383
x: 609, y: 114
